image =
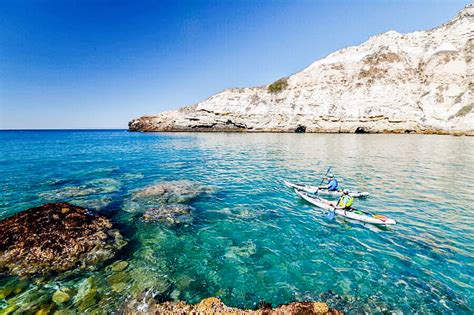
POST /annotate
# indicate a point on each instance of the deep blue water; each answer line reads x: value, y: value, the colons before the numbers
x: 251, y: 238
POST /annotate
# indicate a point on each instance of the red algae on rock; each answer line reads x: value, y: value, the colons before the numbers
x: 214, y: 305
x: 56, y: 237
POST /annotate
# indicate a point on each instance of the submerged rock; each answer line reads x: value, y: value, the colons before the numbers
x: 172, y: 191
x: 9, y: 309
x: 213, y: 305
x: 146, y: 280
x: 246, y: 250
x: 12, y: 288
x: 169, y: 192
x: 29, y: 302
x: 131, y: 176
x: 86, y: 294
x: 119, y: 265
x: 170, y: 214
x: 93, y: 194
x: 68, y: 192
x: 62, y: 295
x: 56, y: 237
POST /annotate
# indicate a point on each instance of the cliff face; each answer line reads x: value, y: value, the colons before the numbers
x: 418, y: 82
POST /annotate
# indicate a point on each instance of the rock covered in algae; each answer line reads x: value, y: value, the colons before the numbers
x: 62, y: 295
x: 56, y: 237
x: 174, y: 214
x: 162, y: 193
x: 29, y: 302
x: 86, y: 294
x: 214, y: 305
x: 119, y: 265
x: 12, y: 288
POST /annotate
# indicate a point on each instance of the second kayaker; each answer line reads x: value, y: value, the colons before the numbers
x: 346, y: 200
x: 332, y: 185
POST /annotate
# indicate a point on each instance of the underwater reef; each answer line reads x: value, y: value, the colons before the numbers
x: 60, y: 258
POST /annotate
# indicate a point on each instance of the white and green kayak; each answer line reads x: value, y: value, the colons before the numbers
x: 350, y: 214
x: 313, y: 189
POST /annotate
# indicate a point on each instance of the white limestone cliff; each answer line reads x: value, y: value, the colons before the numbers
x: 419, y: 82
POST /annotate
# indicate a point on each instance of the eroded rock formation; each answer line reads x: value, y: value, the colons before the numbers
x: 419, y: 82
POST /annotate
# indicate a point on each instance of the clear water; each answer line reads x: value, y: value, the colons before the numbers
x: 252, y: 239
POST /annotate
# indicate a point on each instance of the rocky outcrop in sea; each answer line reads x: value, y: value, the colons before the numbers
x: 156, y: 195
x: 54, y: 238
x: 421, y: 82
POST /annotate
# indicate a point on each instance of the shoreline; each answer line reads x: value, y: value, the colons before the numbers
x: 269, y: 131
x: 273, y: 131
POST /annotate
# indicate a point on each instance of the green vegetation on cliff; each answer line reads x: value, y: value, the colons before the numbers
x: 278, y: 86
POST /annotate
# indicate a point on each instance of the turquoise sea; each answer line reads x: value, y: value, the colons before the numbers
x: 252, y: 239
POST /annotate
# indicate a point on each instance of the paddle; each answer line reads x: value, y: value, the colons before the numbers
x: 322, y: 180
x: 331, y: 214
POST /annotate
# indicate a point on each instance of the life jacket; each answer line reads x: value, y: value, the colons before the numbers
x: 345, y: 201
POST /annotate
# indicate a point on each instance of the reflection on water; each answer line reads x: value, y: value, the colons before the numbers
x: 251, y: 238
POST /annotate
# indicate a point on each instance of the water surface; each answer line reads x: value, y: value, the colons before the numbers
x: 252, y: 239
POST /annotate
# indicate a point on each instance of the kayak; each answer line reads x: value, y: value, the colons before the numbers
x: 314, y: 189
x: 350, y: 214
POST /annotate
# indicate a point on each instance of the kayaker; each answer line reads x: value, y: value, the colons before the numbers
x: 332, y: 185
x: 346, y: 200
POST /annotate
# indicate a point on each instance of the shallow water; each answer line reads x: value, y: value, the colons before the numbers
x: 251, y: 238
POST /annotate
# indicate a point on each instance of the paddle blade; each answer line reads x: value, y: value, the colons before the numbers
x: 330, y: 215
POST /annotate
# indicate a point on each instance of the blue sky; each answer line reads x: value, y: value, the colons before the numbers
x: 98, y: 64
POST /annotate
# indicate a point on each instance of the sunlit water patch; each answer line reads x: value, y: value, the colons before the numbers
x: 250, y: 238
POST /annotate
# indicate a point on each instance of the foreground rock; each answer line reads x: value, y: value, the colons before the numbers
x: 215, y: 306
x: 176, y: 214
x: 420, y: 82
x: 56, y: 237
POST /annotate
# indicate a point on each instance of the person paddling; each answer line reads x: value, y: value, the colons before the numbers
x: 332, y: 185
x: 346, y: 200
x: 345, y: 203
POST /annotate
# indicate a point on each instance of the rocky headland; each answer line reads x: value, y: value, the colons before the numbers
x: 420, y: 82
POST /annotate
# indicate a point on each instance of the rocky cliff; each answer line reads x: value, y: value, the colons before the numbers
x: 419, y: 82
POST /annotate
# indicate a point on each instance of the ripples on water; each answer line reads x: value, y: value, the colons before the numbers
x: 252, y: 239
